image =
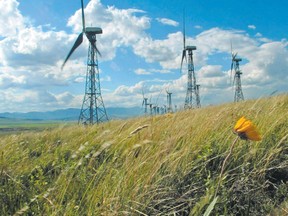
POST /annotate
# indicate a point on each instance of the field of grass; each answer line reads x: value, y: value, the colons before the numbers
x: 9, y: 126
x: 161, y: 165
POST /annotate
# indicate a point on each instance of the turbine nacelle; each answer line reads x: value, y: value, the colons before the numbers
x: 237, y: 59
x: 93, y: 30
x: 190, y: 48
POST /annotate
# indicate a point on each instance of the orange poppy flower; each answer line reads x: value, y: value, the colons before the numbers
x: 246, y: 130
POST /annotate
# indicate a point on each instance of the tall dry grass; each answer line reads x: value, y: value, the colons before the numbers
x: 160, y: 165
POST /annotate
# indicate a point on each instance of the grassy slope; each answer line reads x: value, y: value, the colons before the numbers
x: 170, y: 166
x: 9, y: 125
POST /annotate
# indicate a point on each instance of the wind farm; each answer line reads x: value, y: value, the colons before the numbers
x: 195, y: 115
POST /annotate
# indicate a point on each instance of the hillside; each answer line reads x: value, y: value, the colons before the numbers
x: 161, y: 165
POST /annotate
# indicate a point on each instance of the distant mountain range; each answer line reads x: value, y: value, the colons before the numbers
x: 72, y: 114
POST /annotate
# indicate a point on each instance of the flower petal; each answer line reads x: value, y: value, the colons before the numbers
x: 239, y: 123
x: 253, y: 135
x: 246, y: 126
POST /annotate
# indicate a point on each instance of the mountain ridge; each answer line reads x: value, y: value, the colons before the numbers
x: 72, y: 114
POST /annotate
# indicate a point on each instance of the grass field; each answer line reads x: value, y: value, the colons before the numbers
x: 8, y: 126
x: 160, y: 165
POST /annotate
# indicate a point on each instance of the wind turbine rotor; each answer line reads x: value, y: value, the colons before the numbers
x: 233, y: 59
x: 89, y: 32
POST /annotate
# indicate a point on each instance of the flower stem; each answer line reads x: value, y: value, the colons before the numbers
x: 224, y: 162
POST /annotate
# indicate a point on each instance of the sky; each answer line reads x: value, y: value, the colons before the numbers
x: 141, y: 48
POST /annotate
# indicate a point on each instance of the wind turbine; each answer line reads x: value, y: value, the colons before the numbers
x: 169, y: 101
x: 192, y: 93
x: 145, y: 103
x: 93, y: 109
x: 238, y: 95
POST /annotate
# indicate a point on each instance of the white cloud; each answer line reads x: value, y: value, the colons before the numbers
x: 141, y: 71
x: 166, y: 21
x: 31, y: 46
x: 65, y: 98
x: 267, y: 64
x: 11, y: 20
x: 252, y: 27
x: 163, y: 51
x: 211, y: 71
x: 198, y: 27
x: 106, y: 79
x: 37, y: 100
x: 258, y: 34
x: 162, y: 71
x: 129, y: 91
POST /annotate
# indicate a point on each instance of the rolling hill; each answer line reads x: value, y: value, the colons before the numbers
x: 157, y: 165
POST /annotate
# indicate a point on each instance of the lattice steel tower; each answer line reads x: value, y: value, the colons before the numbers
x: 192, y: 99
x: 238, y: 96
x: 93, y: 109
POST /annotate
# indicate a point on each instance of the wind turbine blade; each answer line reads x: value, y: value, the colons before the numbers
x: 158, y: 97
x: 97, y: 51
x: 184, y: 32
x: 167, y: 90
x: 231, y: 49
x: 142, y: 93
x: 83, y: 17
x: 92, y: 42
x: 184, y: 42
x: 183, y: 56
x: 232, y: 62
x: 231, y: 72
x: 76, y: 44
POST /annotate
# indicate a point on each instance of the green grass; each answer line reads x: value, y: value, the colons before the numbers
x: 12, y: 126
x: 163, y: 165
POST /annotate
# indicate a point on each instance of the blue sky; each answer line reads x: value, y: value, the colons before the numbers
x: 141, y: 48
